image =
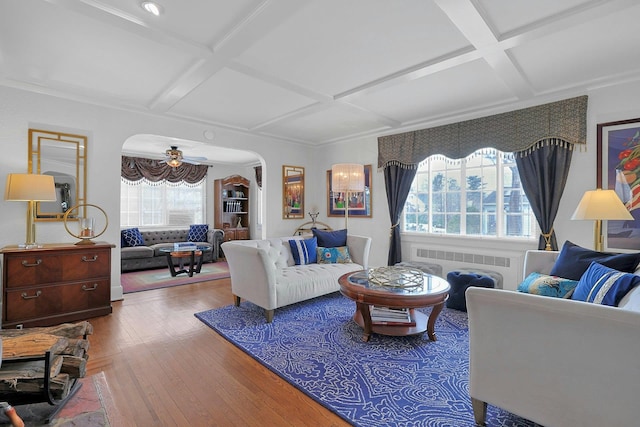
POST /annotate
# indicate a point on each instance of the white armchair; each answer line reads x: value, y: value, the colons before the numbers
x: 554, y: 361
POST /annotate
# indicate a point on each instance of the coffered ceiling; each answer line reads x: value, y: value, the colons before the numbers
x: 318, y: 71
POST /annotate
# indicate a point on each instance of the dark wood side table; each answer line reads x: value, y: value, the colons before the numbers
x: 433, y: 293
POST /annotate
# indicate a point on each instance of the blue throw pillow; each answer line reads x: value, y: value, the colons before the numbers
x: 333, y: 255
x: 304, y: 251
x: 131, y: 237
x: 574, y: 260
x: 549, y: 286
x: 198, y: 232
x: 604, y: 285
x: 331, y: 239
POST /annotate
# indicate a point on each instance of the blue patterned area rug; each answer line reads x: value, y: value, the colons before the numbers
x: 388, y: 381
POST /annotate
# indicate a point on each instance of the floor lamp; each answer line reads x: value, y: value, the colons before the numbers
x: 30, y: 188
x: 347, y: 178
x: 601, y: 205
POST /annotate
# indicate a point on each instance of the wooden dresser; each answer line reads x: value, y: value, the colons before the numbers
x: 55, y: 284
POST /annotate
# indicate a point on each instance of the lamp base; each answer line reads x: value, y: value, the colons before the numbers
x: 597, y: 236
x: 86, y: 242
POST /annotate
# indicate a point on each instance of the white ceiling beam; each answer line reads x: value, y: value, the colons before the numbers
x: 277, y: 81
x: 116, y: 18
x: 578, y: 15
x: 473, y: 26
x: 417, y: 71
x: 248, y: 31
x: 297, y: 113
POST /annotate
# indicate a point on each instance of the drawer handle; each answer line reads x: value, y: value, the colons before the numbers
x: 85, y: 259
x: 25, y: 296
x: 35, y: 264
x: 86, y: 288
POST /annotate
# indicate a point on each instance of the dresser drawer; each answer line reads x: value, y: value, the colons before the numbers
x: 43, y: 301
x: 31, y: 269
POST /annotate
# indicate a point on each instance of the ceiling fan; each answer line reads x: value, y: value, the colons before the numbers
x: 174, y: 157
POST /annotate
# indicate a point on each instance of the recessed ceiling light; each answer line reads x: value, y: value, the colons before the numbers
x: 152, y: 7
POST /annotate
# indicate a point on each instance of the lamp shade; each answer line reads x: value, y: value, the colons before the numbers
x: 601, y: 204
x: 347, y: 177
x: 30, y: 187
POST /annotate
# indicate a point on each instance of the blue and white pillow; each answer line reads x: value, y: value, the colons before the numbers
x: 550, y: 286
x: 304, y: 251
x: 198, y: 232
x: 604, y: 285
x: 339, y: 255
x: 131, y: 237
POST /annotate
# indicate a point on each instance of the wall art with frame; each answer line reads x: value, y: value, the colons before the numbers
x: 292, y: 192
x: 359, y: 203
x: 618, y: 164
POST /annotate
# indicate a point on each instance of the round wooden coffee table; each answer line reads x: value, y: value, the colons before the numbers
x: 433, y: 293
x: 193, y: 256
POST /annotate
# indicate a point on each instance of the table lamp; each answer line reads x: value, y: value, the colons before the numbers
x: 30, y: 188
x: 347, y: 178
x: 601, y: 205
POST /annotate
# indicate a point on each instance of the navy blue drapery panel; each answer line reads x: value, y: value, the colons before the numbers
x: 397, y: 181
x: 543, y: 173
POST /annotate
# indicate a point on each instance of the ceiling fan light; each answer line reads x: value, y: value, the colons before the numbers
x: 174, y: 157
x: 152, y: 8
x: 174, y: 162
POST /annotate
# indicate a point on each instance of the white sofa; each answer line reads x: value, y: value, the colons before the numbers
x: 264, y: 273
x: 554, y: 361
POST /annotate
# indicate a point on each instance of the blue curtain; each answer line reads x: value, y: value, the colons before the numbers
x: 397, y: 181
x: 543, y: 173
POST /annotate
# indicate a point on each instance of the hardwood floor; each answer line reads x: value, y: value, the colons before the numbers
x: 166, y: 368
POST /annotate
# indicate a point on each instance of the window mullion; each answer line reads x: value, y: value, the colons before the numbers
x: 499, y: 197
x: 430, y: 198
x: 463, y: 198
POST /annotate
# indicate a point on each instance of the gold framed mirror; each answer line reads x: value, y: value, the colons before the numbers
x: 292, y: 192
x: 64, y: 156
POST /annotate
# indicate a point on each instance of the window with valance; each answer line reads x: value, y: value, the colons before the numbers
x: 155, y: 194
x: 541, y: 138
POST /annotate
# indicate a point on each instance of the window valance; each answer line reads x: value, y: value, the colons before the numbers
x: 559, y: 122
x: 138, y: 168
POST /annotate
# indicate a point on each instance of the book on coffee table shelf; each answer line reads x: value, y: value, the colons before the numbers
x: 184, y: 246
x: 391, y: 316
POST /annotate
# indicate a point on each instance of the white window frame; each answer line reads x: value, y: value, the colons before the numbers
x: 500, y: 226
x: 134, y: 216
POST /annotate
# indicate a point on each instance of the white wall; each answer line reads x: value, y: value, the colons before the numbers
x: 363, y: 151
x: 605, y: 104
x: 108, y: 129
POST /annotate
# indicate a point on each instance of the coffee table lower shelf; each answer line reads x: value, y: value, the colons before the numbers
x: 420, y: 326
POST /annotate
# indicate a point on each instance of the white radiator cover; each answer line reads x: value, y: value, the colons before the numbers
x: 507, y: 263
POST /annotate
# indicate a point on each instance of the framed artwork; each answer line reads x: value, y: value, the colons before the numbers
x: 359, y: 204
x: 618, y: 163
x: 292, y: 192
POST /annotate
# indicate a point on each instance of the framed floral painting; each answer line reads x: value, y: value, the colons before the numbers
x: 618, y: 162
